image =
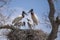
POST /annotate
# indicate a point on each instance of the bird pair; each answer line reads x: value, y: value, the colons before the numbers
x: 33, y: 17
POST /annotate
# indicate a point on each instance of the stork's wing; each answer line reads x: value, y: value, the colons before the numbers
x: 17, y: 19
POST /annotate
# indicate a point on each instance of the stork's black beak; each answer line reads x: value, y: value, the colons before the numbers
x: 30, y: 10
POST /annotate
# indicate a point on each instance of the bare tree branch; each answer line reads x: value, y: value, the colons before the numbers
x: 8, y: 27
x: 53, y: 34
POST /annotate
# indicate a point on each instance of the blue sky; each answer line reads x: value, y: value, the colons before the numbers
x: 37, y: 5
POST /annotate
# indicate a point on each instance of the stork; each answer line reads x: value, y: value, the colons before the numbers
x: 20, y: 17
x: 30, y: 23
x: 34, y: 17
x: 19, y: 24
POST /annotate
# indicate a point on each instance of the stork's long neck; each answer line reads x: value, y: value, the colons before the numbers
x: 32, y: 13
x: 23, y: 15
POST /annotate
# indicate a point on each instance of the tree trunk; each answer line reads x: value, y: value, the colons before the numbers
x: 53, y: 34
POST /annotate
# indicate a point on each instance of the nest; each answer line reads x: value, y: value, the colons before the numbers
x: 27, y: 35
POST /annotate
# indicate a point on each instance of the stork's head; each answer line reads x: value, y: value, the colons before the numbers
x: 30, y: 11
x: 24, y: 13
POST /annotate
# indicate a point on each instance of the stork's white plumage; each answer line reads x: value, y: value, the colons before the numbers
x: 20, y: 17
x: 29, y: 23
x: 17, y: 19
x: 34, y: 17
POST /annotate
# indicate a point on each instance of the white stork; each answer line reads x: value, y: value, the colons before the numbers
x: 34, y: 17
x: 29, y: 23
x: 20, y: 17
